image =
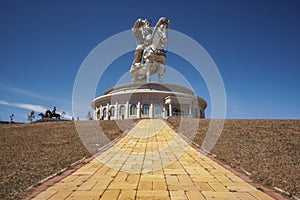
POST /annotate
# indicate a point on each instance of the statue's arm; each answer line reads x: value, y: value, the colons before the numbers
x: 137, y: 23
x: 136, y: 26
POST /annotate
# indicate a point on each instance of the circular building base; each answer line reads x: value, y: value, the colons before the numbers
x: 148, y: 100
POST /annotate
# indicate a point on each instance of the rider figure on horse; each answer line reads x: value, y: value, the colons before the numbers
x: 149, y: 55
x: 54, y: 110
x: 142, y: 32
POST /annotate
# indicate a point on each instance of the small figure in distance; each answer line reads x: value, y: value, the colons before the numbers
x: 54, y: 110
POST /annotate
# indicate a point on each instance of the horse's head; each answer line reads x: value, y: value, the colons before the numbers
x: 160, y: 33
x: 159, y: 38
x: 164, y: 22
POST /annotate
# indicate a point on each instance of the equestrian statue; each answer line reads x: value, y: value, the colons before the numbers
x: 150, y: 55
x: 50, y: 114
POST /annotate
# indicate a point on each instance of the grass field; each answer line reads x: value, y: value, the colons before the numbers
x: 267, y: 149
x: 32, y: 152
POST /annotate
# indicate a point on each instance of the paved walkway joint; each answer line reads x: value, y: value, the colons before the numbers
x: 152, y: 162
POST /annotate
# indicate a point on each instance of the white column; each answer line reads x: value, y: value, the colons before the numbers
x: 95, y: 113
x: 170, y: 110
x: 151, y: 113
x: 127, y: 110
x: 101, y: 111
x: 193, y: 110
x: 107, y: 109
x: 138, y: 110
x: 117, y: 111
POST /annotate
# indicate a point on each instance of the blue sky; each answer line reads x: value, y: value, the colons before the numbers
x: 255, y: 45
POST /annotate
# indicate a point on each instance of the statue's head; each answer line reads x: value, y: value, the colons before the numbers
x: 165, y: 21
x: 147, y: 22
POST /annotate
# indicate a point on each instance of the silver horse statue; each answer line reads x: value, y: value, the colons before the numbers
x: 153, y: 54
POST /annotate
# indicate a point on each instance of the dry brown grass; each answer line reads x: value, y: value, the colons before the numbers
x: 32, y: 152
x: 268, y: 149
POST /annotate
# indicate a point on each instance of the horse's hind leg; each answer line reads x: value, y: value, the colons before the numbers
x: 161, y: 71
x: 160, y: 77
x: 148, y: 77
x: 148, y: 73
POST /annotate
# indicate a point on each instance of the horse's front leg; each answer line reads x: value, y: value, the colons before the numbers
x: 133, y: 73
x: 160, y: 77
x: 161, y: 71
x: 148, y: 67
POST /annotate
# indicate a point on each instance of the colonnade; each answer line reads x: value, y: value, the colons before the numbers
x: 145, y: 110
x: 127, y: 111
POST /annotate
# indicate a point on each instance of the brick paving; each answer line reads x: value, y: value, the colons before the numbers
x: 152, y: 162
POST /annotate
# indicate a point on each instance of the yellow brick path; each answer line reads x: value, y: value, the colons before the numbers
x: 152, y: 162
